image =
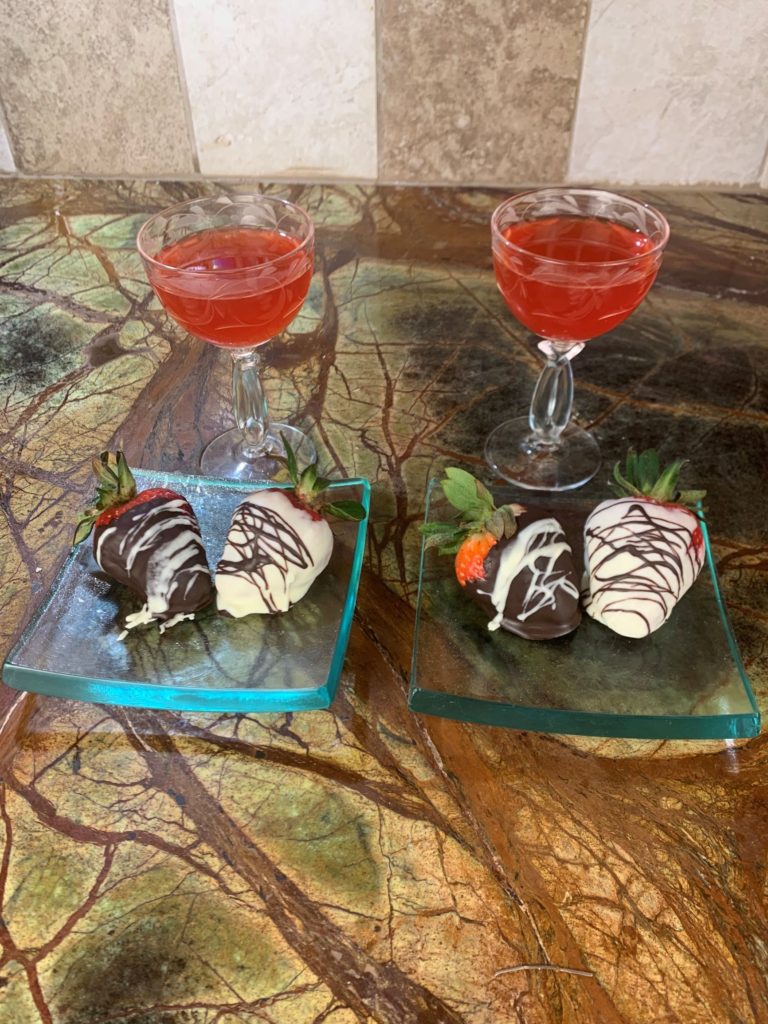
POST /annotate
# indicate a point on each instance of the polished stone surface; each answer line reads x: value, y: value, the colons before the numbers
x: 277, y: 89
x: 477, y: 91
x: 92, y: 88
x: 366, y: 864
x: 672, y: 93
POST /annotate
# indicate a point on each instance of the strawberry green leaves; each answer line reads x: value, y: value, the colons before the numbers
x: 443, y: 536
x: 84, y: 526
x: 503, y: 522
x: 308, y: 485
x: 644, y: 478
x: 350, y: 510
x: 467, y: 495
x: 289, y: 461
x: 476, y: 512
x: 115, y: 485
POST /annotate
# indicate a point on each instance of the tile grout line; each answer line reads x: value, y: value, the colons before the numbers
x: 762, y: 179
x: 185, y: 97
x: 577, y: 98
x: 277, y: 179
x: 376, y: 63
x: 5, y: 129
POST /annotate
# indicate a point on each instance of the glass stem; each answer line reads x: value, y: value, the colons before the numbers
x: 553, y: 397
x: 249, y: 402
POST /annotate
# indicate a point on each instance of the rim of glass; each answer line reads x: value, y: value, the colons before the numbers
x: 177, y: 207
x: 554, y: 191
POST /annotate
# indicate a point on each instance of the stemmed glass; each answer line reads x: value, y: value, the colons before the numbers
x: 235, y: 271
x: 571, y: 263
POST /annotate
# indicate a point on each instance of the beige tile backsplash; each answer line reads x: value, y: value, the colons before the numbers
x: 500, y: 92
x: 281, y: 89
x: 673, y: 92
x: 477, y: 90
x: 92, y: 88
x: 6, y: 156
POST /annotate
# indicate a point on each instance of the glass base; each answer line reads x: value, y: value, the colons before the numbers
x: 514, y: 454
x: 224, y: 457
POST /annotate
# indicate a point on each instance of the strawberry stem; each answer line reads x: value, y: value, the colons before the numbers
x: 643, y: 477
x: 115, y: 486
x: 309, y: 485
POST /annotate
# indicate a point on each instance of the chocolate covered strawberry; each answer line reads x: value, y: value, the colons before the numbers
x: 643, y: 549
x: 149, y: 541
x: 278, y: 543
x: 517, y: 565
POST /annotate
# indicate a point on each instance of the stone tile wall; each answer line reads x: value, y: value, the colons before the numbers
x: 6, y: 156
x: 281, y: 89
x: 477, y: 90
x: 93, y: 88
x: 673, y: 91
x: 435, y: 91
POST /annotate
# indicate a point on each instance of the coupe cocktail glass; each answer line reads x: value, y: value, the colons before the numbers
x: 571, y: 263
x: 235, y: 271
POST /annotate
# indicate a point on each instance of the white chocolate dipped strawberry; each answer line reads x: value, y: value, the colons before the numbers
x: 643, y: 549
x: 278, y: 544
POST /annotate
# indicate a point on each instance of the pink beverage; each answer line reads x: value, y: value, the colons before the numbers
x: 260, y: 280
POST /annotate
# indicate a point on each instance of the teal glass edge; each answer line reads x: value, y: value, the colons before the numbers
x: 415, y: 692
x: 179, y: 698
x: 581, y: 723
x: 732, y: 645
x: 345, y: 626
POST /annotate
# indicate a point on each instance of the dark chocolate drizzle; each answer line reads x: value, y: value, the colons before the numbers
x: 663, y: 555
x: 271, y: 541
x: 132, y: 548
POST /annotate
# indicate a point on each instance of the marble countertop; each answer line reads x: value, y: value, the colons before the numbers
x: 366, y: 864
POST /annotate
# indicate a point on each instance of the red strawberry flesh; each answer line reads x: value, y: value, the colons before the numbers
x: 109, y: 515
x: 296, y: 501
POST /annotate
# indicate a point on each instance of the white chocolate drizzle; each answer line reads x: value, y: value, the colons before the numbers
x: 536, y: 548
x: 168, y: 535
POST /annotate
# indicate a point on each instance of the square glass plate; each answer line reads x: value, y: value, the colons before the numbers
x: 685, y: 681
x: 288, y: 662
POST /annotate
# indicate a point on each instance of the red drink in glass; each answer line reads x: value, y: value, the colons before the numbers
x: 234, y: 270
x: 235, y: 286
x: 570, y: 278
x: 571, y: 263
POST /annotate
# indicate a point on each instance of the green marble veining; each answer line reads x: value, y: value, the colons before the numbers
x: 366, y: 864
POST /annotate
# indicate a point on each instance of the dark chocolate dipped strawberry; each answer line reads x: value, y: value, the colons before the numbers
x: 516, y: 565
x: 643, y: 549
x: 278, y: 543
x: 149, y: 541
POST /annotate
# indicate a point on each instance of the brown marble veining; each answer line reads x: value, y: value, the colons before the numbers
x: 364, y: 863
